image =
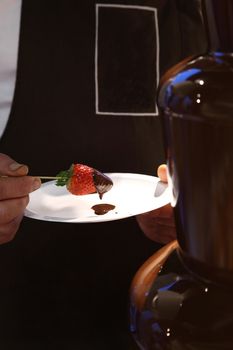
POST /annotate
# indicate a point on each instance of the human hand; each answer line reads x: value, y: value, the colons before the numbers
x: 158, y: 224
x: 15, y: 187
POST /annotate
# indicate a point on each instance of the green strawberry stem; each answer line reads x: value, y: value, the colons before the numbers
x: 61, y: 180
x: 62, y: 177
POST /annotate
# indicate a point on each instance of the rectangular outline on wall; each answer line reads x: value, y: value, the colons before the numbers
x: 144, y: 8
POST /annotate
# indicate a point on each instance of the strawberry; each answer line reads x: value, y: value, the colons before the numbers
x: 81, y: 179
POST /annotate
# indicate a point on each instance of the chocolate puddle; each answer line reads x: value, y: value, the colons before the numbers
x: 101, y: 209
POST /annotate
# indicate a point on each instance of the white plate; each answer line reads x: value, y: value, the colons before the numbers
x: 131, y: 194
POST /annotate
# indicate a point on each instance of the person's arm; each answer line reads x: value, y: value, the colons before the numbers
x: 15, y: 187
x: 158, y: 225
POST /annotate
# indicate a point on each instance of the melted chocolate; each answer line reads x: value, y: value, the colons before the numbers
x: 102, y: 183
x: 101, y: 209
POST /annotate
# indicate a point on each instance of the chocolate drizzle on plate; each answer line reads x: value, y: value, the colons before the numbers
x: 101, y: 209
x: 102, y: 183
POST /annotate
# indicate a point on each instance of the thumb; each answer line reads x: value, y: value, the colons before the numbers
x: 162, y: 172
x: 10, y: 167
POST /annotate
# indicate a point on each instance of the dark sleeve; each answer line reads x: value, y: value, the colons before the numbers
x: 182, y: 32
x: 191, y: 27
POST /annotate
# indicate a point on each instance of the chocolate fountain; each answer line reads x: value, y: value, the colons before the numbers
x: 182, y: 297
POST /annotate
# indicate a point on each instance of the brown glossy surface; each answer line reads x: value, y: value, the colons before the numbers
x: 146, y: 275
x: 180, y: 311
x: 196, y: 104
x: 187, y: 304
x: 197, y: 115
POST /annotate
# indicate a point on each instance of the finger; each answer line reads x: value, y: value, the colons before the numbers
x: 10, y: 167
x: 8, y: 231
x: 15, y: 187
x: 12, y: 208
x: 162, y: 172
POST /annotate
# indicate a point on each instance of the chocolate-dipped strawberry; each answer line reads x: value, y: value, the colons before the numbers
x: 81, y: 179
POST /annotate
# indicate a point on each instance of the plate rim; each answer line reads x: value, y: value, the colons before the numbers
x: 101, y: 218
